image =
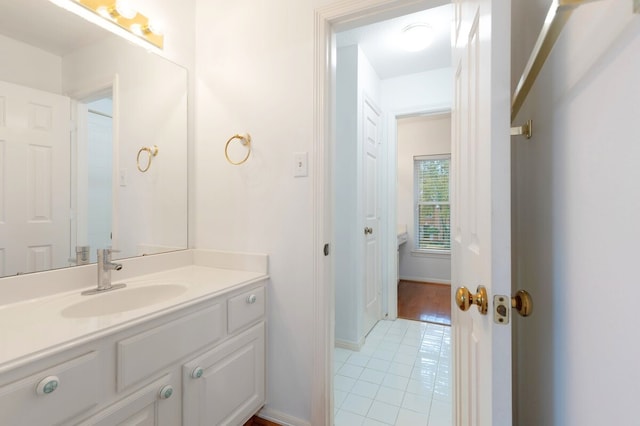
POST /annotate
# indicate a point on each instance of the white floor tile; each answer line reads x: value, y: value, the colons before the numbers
x: 417, y: 403
x: 349, y: 370
x: 382, y: 354
x: 400, y: 377
x: 390, y: 396
x: 338, y: 398
x: 373, y: 376
x: 403, y: 370
x: 383, y: 412
x: 341, y: 354
x: 411, y: 418
x: 371, y: 422
x: 358, y: 359
x: 395, y: 382
x: 343, y: 383
x: 346, y: 418
x: 440, y: 414
x: 379, y: 364
x: 405, y: 359
x: 366, y: 389
x: 389, y: 346
x: 356, y: 404
x: 420, y: 387
x: 408, y: 350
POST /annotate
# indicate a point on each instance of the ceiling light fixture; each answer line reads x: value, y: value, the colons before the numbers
x: 416, y: 37
x: 119, y: 17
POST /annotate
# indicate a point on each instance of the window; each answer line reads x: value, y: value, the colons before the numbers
x: 432, y: 203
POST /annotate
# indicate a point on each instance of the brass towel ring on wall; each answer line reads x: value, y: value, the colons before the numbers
x: 152, y: 151
x: 244, y: 140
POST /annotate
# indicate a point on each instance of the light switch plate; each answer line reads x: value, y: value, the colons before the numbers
x: 300, y: 164
x: 123, y: 177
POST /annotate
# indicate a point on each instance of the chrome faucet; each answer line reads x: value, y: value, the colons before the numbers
x: 105, y: 266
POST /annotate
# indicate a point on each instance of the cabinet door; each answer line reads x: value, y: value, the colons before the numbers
x: 154, y: 405
x: 226, y: 385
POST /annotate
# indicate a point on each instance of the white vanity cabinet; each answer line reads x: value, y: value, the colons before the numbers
x: 226, y: 385
x: 203, y: 364
x: 154, y: 404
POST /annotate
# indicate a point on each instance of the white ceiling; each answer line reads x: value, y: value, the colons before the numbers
x: 42, y: 24
x: 380, y: 45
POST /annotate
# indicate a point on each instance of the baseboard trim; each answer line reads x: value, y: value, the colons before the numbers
x: 426, y: 280
x: 281, y: 418
x: 352, y: 346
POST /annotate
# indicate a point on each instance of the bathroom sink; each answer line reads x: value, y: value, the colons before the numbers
x: 122, y: 300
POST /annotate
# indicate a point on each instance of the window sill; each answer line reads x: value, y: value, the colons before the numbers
x: 431, y: 253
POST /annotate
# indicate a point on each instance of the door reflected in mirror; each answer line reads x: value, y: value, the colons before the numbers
x: 77, y: 103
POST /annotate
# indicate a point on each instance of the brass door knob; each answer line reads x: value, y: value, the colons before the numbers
x: 522, y: 303
x: 464, y: 299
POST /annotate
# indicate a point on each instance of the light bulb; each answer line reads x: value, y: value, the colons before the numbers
x: 416, y: 37
x: 156, y: 27
x: 124, y: 9
x: 137, y: 29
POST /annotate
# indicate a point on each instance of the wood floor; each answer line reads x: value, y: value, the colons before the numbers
x: 424, y: 302
x: 257, y: 421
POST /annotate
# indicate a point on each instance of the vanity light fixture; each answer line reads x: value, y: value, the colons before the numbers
x: 119, y: 17
x: 416, y: 37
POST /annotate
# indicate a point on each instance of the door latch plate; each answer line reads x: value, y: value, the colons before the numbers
x: 501, y: 309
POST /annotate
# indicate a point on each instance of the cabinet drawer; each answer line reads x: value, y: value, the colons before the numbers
x: 245, y: 309
x: 79, y: 388
x: 144, y: 354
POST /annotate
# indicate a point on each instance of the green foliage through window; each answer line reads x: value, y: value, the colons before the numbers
x: 432, y: 203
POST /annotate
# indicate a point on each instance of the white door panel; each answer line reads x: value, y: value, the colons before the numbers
x: 35, y: 188
x: 372, y: 284
x: 481, y: 213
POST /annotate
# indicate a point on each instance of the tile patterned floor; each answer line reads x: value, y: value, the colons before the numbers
x: 400, y: 377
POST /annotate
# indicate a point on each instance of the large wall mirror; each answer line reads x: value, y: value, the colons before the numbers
x: 93, y: 143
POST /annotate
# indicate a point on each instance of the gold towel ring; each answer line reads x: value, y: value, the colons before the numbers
x: 244, y: 140
x: 153, y: 151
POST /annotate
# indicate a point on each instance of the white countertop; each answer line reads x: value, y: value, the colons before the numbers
x: 36, y: 327
x: 403, y: 236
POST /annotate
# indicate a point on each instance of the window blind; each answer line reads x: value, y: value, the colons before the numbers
x: 432, y: 203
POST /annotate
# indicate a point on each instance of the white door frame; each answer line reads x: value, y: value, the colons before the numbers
x: 342, y: 14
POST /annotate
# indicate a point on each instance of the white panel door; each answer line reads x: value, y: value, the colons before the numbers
x: 35, y: 183
x: 371, y: 273
x: 481, y: 213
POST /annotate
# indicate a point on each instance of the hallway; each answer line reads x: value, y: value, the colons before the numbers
x: 401, y: 376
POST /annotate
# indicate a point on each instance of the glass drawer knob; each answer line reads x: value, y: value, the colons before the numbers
x: 166, y: 392
x: 197, y: 372
x: 47, y: 385
x: 252, y: 299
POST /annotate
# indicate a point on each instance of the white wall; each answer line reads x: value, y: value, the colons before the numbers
x: 420, y: 135
x: 420, y: 92
x: 355, y: 80
x: 255, y: 73
x: 576, y: 208
x: 29, y: 66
